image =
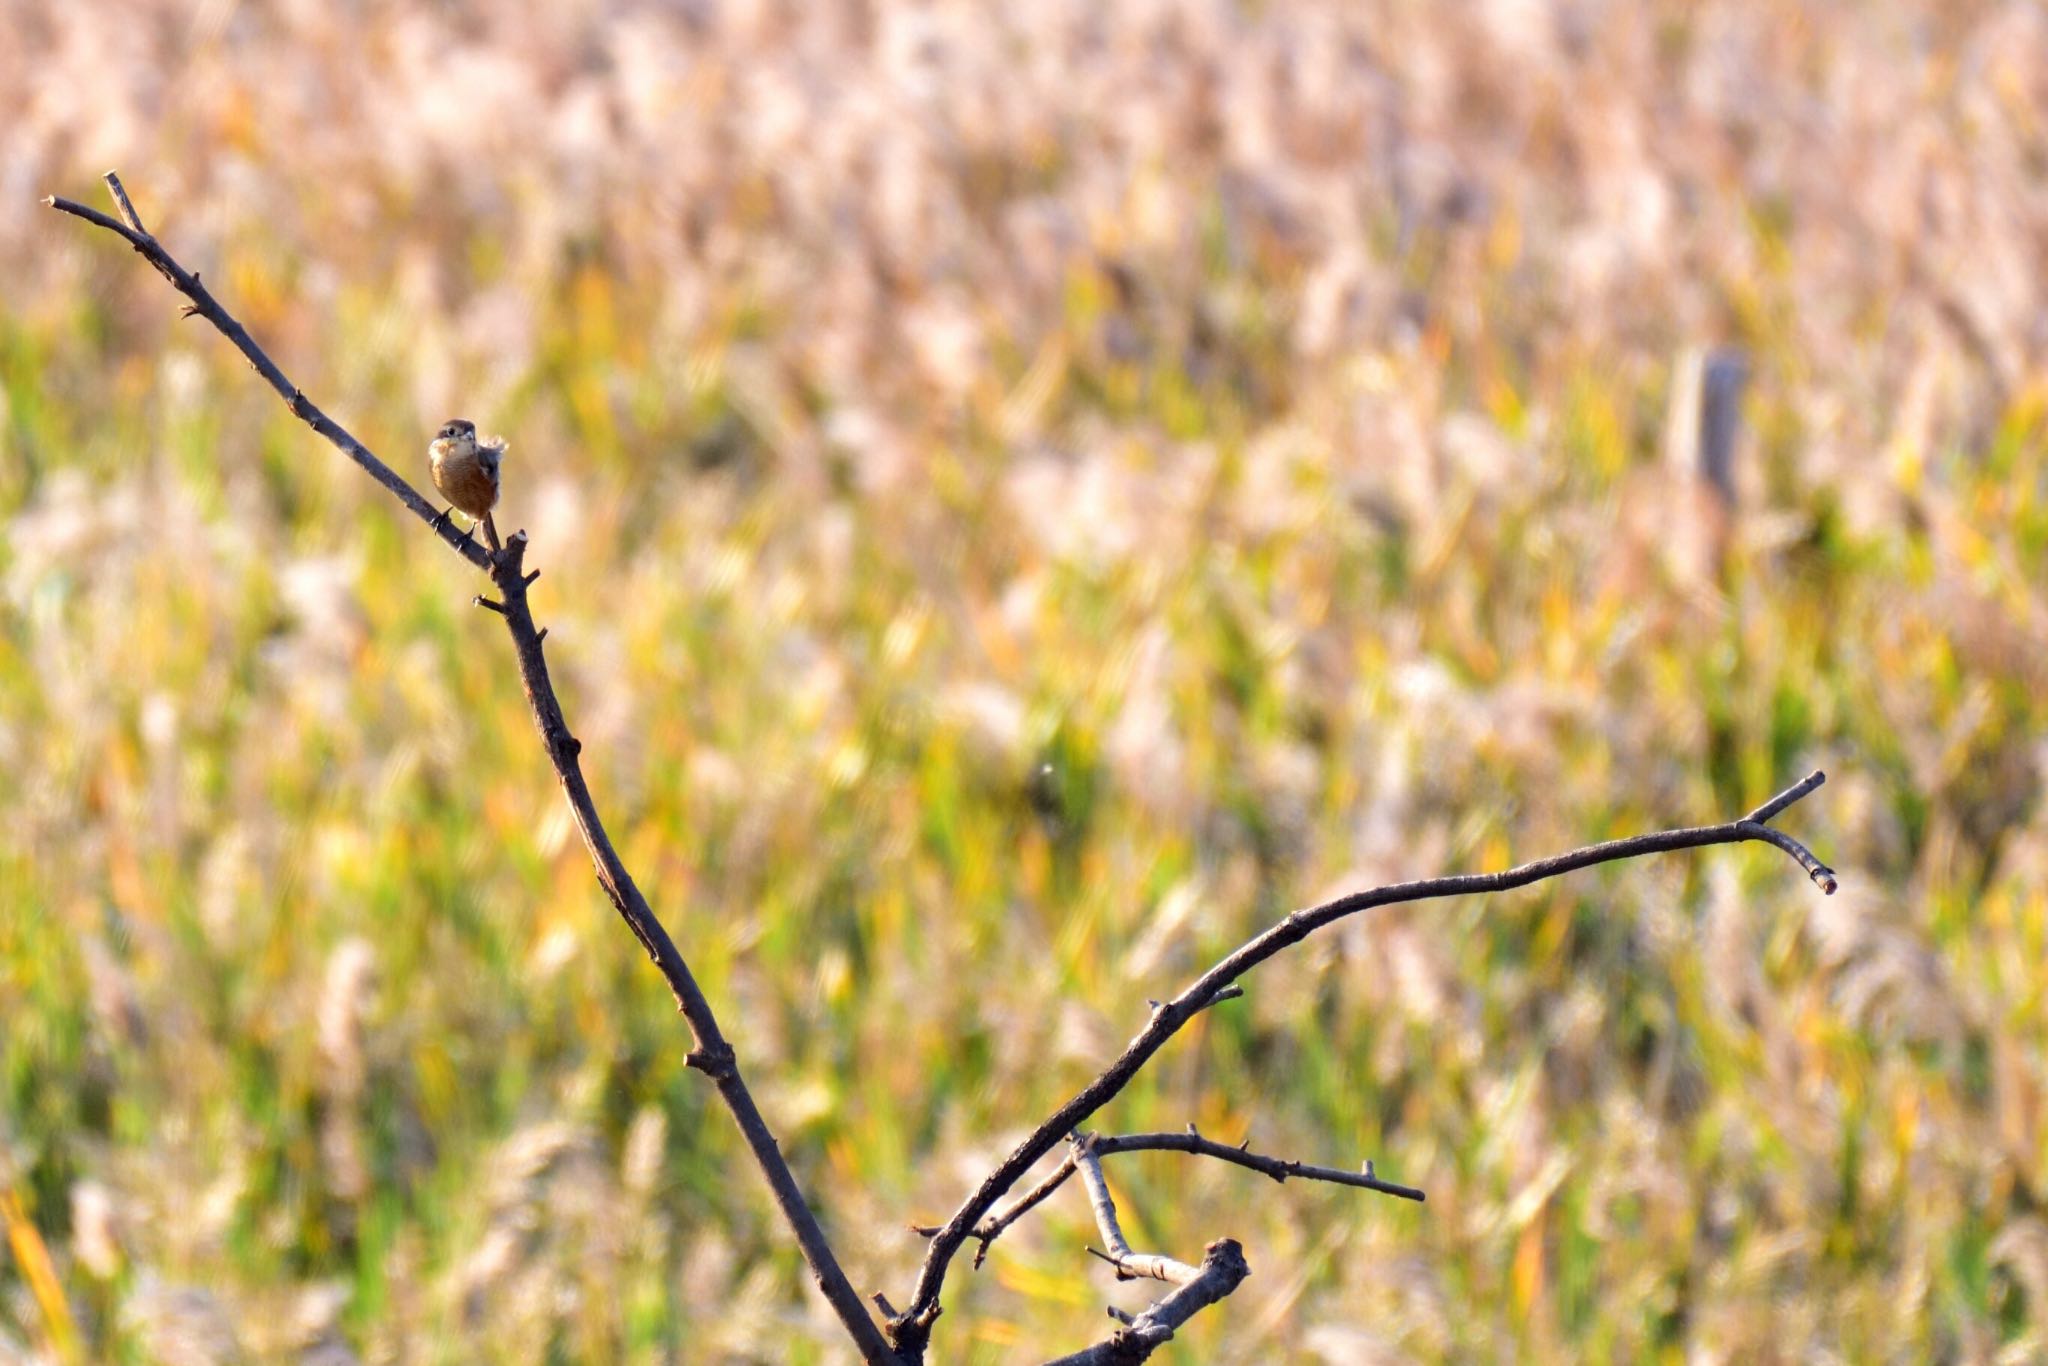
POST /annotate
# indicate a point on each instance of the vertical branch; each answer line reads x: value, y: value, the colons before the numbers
x: 505, y: 565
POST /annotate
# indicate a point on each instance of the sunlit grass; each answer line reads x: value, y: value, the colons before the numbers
x: 992, y: 577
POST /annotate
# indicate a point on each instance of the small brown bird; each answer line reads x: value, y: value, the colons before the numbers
x: 466, y: 472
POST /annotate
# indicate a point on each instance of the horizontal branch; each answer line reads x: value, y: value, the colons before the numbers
x: 1278, y: 1168
x: 912, y: 1330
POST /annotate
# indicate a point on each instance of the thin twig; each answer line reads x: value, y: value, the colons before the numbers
x: 992, y: 1227
x: 1129, y: 1265
x: 1822, y: 875
x: 128, y: 215
x: 1278, y: 1168
x: 505, y: 566
x: 1803, y: 788
x: 911, y: 1332
x: 1223, y: 1269
x: 204, y: 305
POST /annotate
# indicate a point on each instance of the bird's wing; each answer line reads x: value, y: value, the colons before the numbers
x: 491, y: 450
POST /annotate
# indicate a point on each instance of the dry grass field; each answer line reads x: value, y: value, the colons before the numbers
x: 1027, y: 495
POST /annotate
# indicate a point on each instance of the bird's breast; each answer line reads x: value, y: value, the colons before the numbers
x: 463, y: 479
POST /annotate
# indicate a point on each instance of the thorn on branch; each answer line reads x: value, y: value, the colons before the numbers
x: 531, y: 575
x: 543, y: 635
x: 881, y: 1302
x: 1227, y: 993
x: 488, y: 605
x: 1121, y: 1274
x: 1122, y: 1317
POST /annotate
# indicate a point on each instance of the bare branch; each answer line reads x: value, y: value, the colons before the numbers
x: 505, y: 566
x: 1279, y: 1169
x: 992, y: 1227
x: 204, y: 305
x: 1223, y: 1269
x: 1129, y: 1265
x: 1822, y: 875
x: 1803, y: 788
x: 913, y: 1330
x: 121, y: 201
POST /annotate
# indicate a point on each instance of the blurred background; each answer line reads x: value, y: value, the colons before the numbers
x: 1028, y: 495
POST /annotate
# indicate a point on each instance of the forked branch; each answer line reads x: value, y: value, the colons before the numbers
x: 1222, y: 1270
x: 1278, y: 1168
x: 912, y: 1329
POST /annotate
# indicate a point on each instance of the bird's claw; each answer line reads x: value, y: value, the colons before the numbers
x: 444, y: 520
